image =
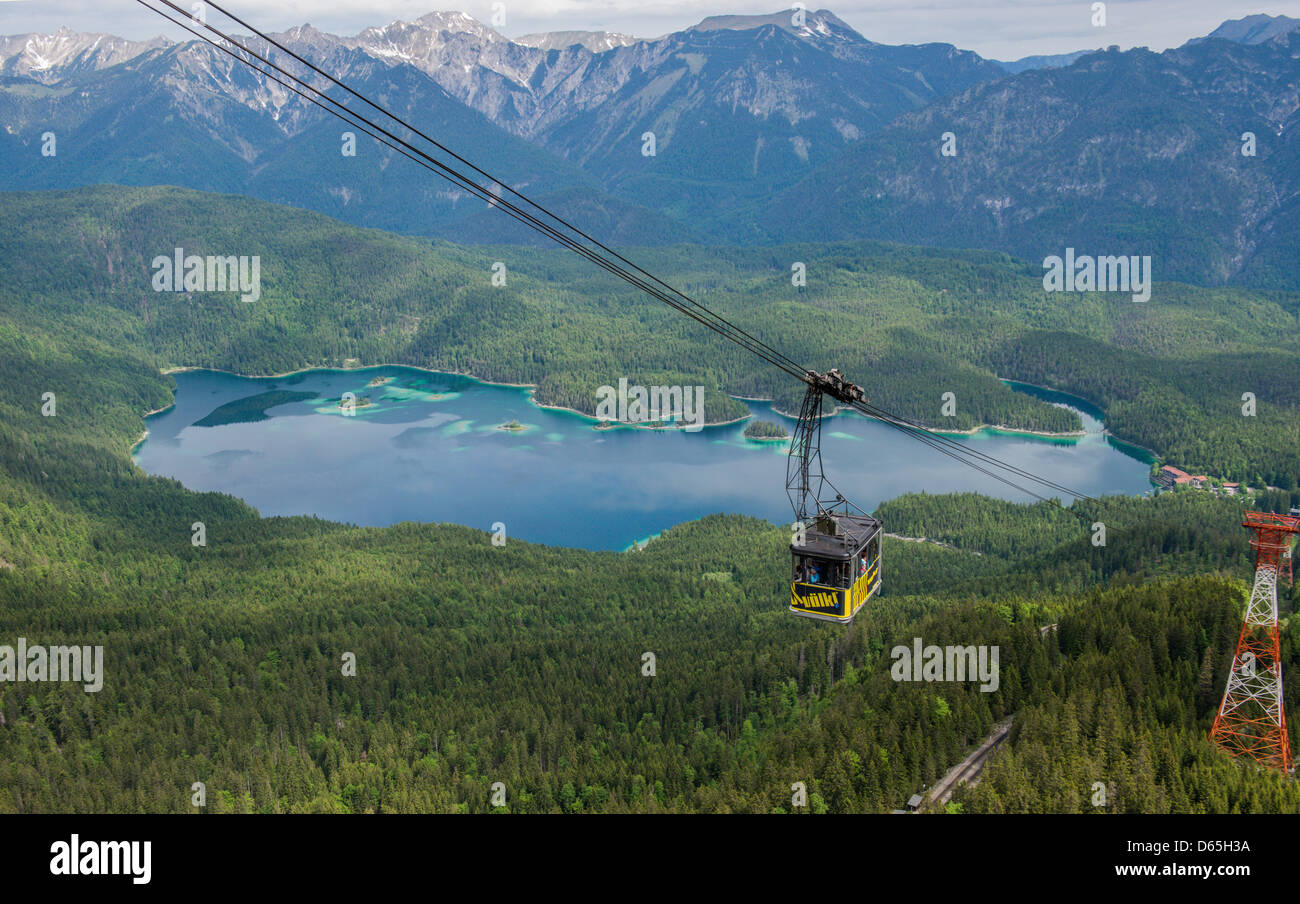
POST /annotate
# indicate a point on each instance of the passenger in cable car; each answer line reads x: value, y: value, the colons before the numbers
x: 814, y: 573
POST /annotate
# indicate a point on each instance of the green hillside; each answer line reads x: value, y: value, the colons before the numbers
x: 910, y: 324
x: 524, y: 664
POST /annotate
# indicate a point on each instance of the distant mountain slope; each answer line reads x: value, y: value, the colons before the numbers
x: 48, y: 58
x: 738, y: 108
x: 764, y: 129
x: 736, y: 112
x: 1050, y: 61
x: 737, y: 104
x: 189, y: 115
x: 1248, y: 30
x: 595, y: 41
x: 1120, y: 153
x: 1252, y: 29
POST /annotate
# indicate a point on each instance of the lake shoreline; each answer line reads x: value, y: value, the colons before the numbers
x: 973, y: 431
x: 531, y: 387
x: 716, y: 477
x: 532, y: 397
x: 145, y: 433
x: 1101, y: 412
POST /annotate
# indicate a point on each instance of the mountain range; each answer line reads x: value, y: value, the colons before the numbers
x: 1252, y: 29
x: 764, y: 131
x: 1119, y: 153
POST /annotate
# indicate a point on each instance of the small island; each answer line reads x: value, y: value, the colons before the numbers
x: 513, y: 427
x: 380, y: 381
x: 358, y: 402
x: 765, y: 431
x: 252, y: 408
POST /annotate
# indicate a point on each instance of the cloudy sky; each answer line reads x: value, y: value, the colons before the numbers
x: 1001, y: 29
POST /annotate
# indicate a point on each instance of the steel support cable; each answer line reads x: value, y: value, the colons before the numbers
x: 928, y: 440
x: 958, y: 448
x: 877, y: 411
x: 926, y: 437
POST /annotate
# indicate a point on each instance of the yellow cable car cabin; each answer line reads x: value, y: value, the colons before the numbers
x: 837, y: 568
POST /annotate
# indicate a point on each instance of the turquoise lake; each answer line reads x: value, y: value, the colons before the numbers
x: 429, y: 448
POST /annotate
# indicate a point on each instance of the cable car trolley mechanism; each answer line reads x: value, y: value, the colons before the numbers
x: 835, y: 551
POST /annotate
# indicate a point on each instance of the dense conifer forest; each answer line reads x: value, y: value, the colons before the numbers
x: 526, y: 664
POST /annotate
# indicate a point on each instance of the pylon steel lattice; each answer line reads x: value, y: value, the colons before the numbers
x: 1251, y: 720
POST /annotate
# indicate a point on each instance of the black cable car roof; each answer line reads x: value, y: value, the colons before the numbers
x: 852, y: 534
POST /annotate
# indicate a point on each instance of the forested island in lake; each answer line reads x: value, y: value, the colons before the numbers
x: 765, y: 430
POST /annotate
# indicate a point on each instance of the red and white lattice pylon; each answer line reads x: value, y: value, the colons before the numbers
x: 1251, y: 721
